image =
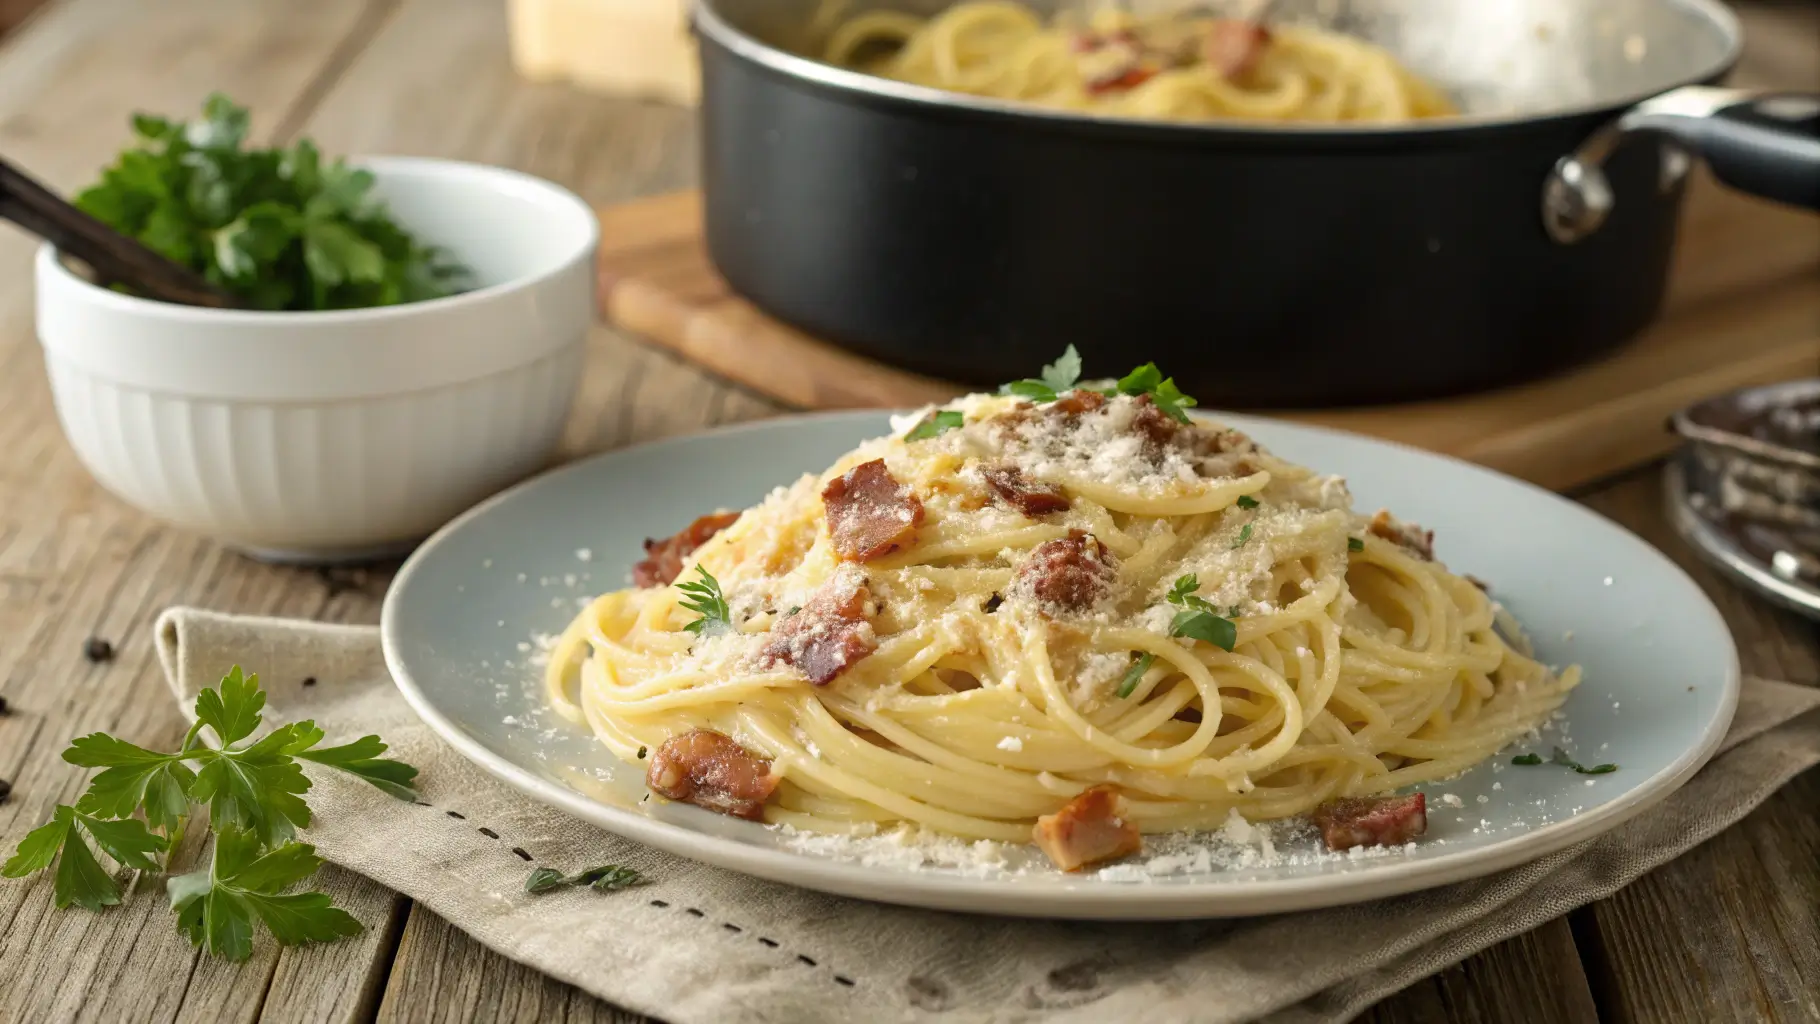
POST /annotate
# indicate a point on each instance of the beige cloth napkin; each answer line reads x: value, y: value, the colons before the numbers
x: 704, y: 945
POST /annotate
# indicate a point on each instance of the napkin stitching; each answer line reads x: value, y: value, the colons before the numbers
x: 696, y: 912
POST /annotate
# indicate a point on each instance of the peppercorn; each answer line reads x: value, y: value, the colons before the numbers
x: 97, y: 650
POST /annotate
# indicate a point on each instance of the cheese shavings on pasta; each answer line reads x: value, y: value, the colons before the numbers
x: 1018, y: 627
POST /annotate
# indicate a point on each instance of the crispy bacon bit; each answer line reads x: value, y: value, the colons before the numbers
x: 1088, y: 829
x: 1071, y: 572
x: 869, y: 512
x: 1129, y: 77
x: 1412, y: 538
x: 1077, y: 403
x: 1032, y: 497
x: 1372, y: 821
x: 708, y: 769
x: 829, y: 634
x: 663, y: 560
x: 1233, y: 47
x: 1159, y: 430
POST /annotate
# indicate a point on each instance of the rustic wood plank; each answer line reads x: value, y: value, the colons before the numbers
x: 442, y: 975
x: 1534, y: 978
x: 74, y: 561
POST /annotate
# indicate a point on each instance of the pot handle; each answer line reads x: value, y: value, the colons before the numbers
x: 1766, y: 144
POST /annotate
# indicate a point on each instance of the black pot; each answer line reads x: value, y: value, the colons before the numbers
x: 1261, y: 265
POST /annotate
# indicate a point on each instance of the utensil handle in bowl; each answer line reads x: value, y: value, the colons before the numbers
x: 1765, y: 144
x: 115, y: 258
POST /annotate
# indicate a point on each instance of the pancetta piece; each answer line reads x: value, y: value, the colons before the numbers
x: 1070, y: 573
x: 1412, y: 538
x: 1233, y: 47
x: 869, y: 512
x: 1031, y: 497
x: 828, y: 634
x: 1088, y: 829
x: 1372, y: 821
x: 708, y: 769
x: 663, y: 560
x: 1160, y: 430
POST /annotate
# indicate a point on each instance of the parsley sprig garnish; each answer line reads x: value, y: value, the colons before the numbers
x: 135, y: 811
x: 1565, y: 760
x: 703, y: 597
x: 1198, y: 619
x: 606, y: 878
x: 935, y: 424
x: 1065, y: 373
x: 1148, y: 380
x: 1057, y: 377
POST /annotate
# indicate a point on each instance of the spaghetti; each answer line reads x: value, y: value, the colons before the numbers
x: 1009, y: 602
x: 1179, y: 67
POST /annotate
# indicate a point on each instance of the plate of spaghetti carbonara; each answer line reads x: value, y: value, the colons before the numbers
x: 1027, y: 650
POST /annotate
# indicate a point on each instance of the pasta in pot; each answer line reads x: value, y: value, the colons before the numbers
x: 1010, y: 603
x: 1178, y: 67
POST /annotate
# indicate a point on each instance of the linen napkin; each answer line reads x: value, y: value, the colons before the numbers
x: 700, y: 944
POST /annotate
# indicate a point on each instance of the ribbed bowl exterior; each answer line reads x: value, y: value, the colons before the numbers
x: 317, y: 480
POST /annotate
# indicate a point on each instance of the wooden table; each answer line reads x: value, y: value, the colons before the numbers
x: 1730, y: 932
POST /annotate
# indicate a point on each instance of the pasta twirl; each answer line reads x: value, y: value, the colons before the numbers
x: 1180, y: 66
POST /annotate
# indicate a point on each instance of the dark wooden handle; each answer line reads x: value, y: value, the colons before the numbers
x: 115, y: 258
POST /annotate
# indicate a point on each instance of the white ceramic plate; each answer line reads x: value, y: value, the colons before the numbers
x: 1661, y: 671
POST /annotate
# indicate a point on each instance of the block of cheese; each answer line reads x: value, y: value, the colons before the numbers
x: 624, y: 47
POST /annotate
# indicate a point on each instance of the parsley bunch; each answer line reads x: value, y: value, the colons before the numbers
x: 281, y: 228
x: 1065, y: 373
x: 253, y: 790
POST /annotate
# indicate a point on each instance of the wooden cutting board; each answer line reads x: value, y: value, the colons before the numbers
x: 1743, y: 308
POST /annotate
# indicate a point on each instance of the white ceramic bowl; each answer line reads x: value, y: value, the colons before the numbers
x: 338, y: 435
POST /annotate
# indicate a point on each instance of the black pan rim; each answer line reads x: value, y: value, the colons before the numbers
x: 858, y: 86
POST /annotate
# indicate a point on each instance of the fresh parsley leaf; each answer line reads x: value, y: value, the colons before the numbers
x: 1247, y: 501
x: 255, y: 788
x: 703, y: 597
x: 935, y: 424
x: 1135, y: 673
x: 606, y: 878
x: 1057, y: 377
x: 39, y: 847
x: 216, y: 907
x: 1527, y: 759
x: 1064, y: 372
x: 361, y: 758
x: 1244, y: 535
x: 1198, y: 619
x: 282, y: 228
x: 1148, y: 380
x: 1562, y: 758
x: 1354, y: 544
x: 545, y: 879
x: 81, y: 880
x: 127, y: 840
x: 135, y: 776
x: 233, y: 707
x: 1199, y: 625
